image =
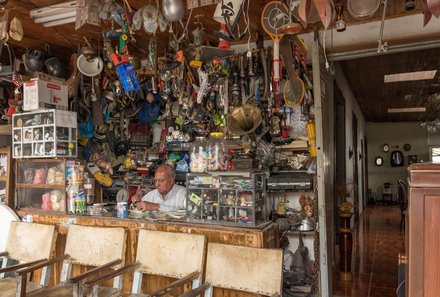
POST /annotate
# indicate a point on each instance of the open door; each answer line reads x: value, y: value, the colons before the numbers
x: 324, y: 120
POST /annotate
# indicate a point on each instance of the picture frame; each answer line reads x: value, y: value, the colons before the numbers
x: 412, y: 159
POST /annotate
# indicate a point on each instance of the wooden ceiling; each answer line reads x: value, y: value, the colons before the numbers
x: 366, y: 78
x: 365, y: 75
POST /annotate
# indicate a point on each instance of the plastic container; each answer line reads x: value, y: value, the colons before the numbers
x: 198, y: 155
x: 216, y: 153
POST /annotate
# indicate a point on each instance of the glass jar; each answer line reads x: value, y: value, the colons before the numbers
x: 216, y: 152
x: 198, y: 155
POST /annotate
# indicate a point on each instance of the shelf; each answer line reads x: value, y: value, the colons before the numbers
x: 40, y: 186
x: 291, y: 149
x: 295, y: 232
x: 6, y: 129
x: 3, y: 178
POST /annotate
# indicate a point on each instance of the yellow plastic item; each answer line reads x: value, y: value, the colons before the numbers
x: 311, y: 133
x: 103, y: 179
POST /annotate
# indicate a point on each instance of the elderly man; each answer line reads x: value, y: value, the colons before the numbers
x: 167, y: 196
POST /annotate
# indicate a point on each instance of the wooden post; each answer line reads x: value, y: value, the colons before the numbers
x: 345, y: 247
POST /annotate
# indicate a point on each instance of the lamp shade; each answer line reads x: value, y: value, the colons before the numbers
x: 91, y: 67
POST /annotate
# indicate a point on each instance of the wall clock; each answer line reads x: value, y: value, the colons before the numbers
x: 407, y: 146
x: 378, y: 161
x: 386, y: 148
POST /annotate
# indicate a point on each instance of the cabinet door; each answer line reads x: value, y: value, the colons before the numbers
x: 423, y: 242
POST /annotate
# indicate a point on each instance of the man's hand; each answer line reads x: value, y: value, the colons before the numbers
x: 135, y: 198
x: 144, y: 206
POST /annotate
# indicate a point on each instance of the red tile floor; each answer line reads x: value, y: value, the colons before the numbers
x: 377, y: 241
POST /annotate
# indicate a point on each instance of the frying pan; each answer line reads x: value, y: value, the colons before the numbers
x: 273, y: 20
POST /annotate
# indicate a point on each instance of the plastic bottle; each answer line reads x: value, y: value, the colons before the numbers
x: 198, y: 155
x: 216, y: 152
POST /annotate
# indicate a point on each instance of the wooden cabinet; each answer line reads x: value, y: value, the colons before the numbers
x: 423, y: 231
x: 41, y: 183
x: 265, y: 236
x: 6, y: 177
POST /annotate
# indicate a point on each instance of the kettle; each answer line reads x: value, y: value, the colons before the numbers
x: 34, y: 60
x: 173, y: 10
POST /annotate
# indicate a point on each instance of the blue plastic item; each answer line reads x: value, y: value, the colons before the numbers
x: 128, y: 77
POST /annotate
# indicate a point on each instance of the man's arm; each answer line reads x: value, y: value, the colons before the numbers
x: 145, y: 205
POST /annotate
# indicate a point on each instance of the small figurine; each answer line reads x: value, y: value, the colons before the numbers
x: 230, y: 199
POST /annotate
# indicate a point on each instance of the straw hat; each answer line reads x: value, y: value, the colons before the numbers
x: 16, y: 29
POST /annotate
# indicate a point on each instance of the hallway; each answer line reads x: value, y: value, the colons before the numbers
x: 377, y: 241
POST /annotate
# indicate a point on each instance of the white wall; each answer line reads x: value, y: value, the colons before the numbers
x: 351, y: 107
x: 396, y: 135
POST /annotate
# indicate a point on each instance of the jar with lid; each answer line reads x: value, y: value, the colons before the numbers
x: 198, y: 155
x: 216, y: 152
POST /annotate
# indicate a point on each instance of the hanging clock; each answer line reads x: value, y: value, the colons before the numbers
x: 407, y: 147
x: 378, y: 161
x: 386, y: 148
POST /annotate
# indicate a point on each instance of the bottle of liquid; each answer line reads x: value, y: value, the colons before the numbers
x: 311, y: 133
x: 216, y: 152
x: 340, y: 22
x: 198, y: 155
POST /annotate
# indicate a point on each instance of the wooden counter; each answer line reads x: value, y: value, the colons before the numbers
x: 266, y: 236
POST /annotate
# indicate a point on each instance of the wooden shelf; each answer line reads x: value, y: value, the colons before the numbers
x: 295, y: 232
x: 6, y: 129
x: 291, y: 149
x: 3, y: 178
x: 40, y: 186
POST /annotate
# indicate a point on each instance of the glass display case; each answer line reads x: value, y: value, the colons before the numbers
x: 237, y: 199
x: 44, y: 133
x: 41, y: 184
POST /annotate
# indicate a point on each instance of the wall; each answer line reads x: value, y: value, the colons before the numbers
x: 396, y: 135
x: 351, y: 107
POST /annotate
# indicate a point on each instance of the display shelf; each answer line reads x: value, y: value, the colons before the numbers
x: 6, y: 175
x: 44, y: 133
x: 227, y: 199
x: 41, y: 184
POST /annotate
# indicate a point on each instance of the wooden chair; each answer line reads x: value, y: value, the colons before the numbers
x: 100, y: 247
x: 29, y: 244
x: 403, y: 201
x: 175, y: 255
x: 253, y: 270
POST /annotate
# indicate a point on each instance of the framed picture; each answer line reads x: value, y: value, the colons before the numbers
x: 412, y: 159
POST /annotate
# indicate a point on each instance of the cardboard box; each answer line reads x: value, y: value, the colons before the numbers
x: 41, y: 94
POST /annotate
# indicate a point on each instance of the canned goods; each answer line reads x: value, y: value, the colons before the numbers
x: 122, y: 209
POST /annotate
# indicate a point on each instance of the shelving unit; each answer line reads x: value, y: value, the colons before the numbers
x: 6, y: 176
x: 227, y: 198
x: 44, y: 133
x: 41, y: 183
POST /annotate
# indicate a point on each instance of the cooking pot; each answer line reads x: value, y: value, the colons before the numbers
x: 307, y: 224
x: 54, y: 67
x: 34, y: 60
x: 173, y: 10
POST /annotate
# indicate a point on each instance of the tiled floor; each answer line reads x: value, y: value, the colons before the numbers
x: 377, y: 241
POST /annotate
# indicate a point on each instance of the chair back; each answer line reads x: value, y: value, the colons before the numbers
x: 403, y: 193
x: 170, y: 254
x: 30, y: 241
x: 7, y: 215
x: 253, y: 270
x: 95, y: 246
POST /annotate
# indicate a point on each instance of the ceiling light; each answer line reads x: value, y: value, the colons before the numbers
x: 57, y: 14
x: 408, y: 76
x: 407, y: 109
